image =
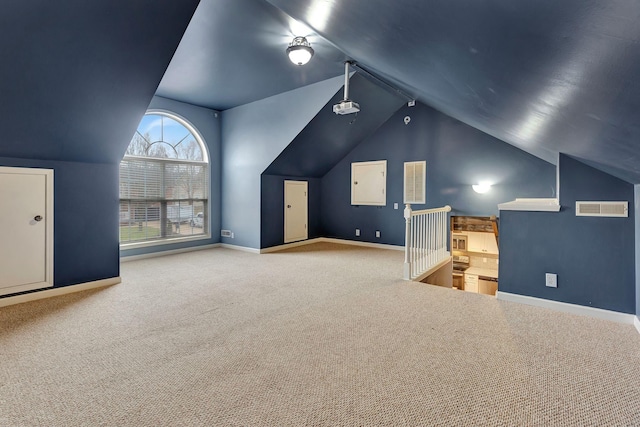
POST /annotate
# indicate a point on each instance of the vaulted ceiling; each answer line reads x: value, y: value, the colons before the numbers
x: 546, y: 76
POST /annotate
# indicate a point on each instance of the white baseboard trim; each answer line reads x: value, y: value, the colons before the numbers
x: 331, y: 240
x: 34, y: 296
x: 169, y: 252
x: 582, y: 310
x: 240, y: 248
x: 365, y: 244
x: 636, y: 323
x: 290, y: 245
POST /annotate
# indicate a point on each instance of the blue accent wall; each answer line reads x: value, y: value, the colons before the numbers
x: 636, y: 211
x: 272, y: 209
x: 593, y: 257
x: 208, y: 123
x: 76, y: 80
x: 253, y: 135
x: 329, y: 137
x: 85, y: 219
x: 457, y: 156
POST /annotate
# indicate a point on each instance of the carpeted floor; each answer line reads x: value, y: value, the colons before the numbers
x: 324, y: 335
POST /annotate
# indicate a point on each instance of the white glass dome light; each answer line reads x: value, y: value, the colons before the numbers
x: 482, y: 187
x: 299, y: 51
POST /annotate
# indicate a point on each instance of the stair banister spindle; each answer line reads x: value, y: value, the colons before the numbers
x: 407, y: 242
x: 426, y: 237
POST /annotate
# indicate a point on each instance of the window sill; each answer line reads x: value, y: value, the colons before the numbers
x: 162, y: 242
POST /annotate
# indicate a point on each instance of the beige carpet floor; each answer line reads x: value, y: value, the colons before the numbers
x: 325, y: 335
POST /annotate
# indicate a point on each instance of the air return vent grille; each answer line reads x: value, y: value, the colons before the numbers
x: 604, y: 209
x: 415, y: 174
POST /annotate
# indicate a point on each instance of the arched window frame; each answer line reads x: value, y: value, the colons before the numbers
x: 171, y: 219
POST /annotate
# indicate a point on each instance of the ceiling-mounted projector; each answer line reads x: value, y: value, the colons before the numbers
x: 346, y: 106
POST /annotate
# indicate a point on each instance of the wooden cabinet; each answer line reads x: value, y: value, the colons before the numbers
x: 482, y: 242
x: 487, y: 287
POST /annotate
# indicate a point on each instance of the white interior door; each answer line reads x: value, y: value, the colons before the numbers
x: 295, y: 211
x: 26, y: 218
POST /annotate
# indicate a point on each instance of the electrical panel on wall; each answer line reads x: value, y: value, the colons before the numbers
x: 369, y: 183
x: 415, y: 178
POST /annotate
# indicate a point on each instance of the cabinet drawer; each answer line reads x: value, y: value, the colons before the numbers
x: 471, y: 278
x: 471, y: 282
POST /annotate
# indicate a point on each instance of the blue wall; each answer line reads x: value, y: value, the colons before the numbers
x: 74, y: 87
x: 593, y: 257
x: 457, y: 156
x: 636, y: 189
x: 85, y: 219
x: 208, y: 123
x: 253, y: 135
x: 329, y: 137
x: 272, y: 209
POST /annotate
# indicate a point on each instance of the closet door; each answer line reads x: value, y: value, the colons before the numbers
x: 26, y: 225
x: 295, y: 211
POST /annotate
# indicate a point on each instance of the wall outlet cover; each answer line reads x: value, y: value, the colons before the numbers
x: 357, y: 231
x: 377, y: 233
x: 551, y: 280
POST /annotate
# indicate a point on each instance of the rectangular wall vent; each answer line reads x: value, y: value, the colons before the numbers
x: 415, y: 177
x: 604, y: 209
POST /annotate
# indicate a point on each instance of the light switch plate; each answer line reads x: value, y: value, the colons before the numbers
x: 377, y: 233
x: 357, y: 231
x: 551, y: 280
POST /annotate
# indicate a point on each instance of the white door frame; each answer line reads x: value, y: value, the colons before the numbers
x: 287, y: 209
x: 48, y: 222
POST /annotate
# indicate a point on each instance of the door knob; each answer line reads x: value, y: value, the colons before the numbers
x: 37, y: 218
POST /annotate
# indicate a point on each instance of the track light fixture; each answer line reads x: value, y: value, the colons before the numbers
x: 299, y: 50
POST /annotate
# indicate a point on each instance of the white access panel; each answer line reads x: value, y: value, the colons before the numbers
x: 369, y: 183
x: 26, y: 221
x: 295, y: 211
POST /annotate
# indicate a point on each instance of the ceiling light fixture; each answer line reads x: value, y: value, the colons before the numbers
x: 482, y: 187
x: 299, y: 50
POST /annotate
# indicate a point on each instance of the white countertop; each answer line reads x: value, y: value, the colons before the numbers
x: 487, y: 272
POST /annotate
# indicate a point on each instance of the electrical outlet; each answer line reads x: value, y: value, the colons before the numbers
x: 357, y: 231
x: 377, y: 233
x: 395, y: 206
x: 551, y: 280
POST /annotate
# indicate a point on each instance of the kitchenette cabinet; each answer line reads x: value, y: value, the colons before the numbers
x: 471, y: 282
x: 484, y: 243
x: 481, y: 280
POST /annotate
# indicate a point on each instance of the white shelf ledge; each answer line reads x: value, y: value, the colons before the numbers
x: 531, y: 205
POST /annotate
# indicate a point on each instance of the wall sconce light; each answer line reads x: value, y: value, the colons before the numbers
x: 481, y: 187
x: 299, y: 51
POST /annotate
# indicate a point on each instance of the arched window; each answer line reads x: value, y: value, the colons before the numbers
x: 164, y: 182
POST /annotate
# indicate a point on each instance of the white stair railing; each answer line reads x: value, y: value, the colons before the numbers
x: 425, y: 240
